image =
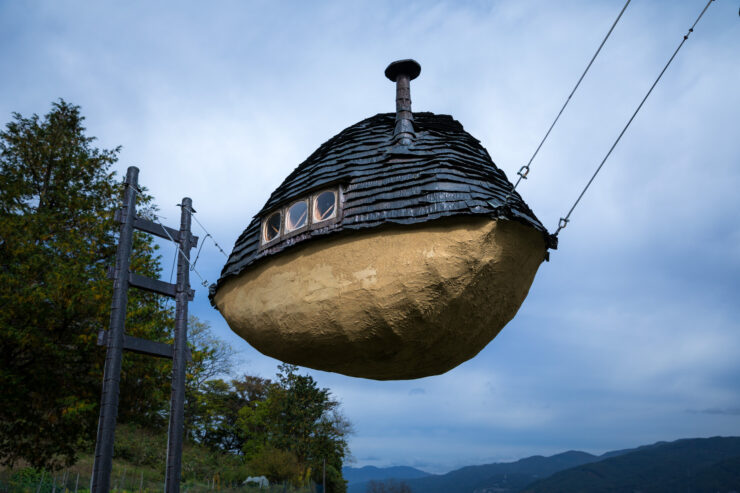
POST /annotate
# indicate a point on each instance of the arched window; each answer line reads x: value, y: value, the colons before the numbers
x: 271, y: 227
x: 325, y: 206
x: 308, y: 212
x: 297, y: 216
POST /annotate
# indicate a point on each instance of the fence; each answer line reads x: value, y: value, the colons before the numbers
x: 125, y: 480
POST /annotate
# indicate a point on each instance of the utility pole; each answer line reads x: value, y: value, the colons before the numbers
x: 177, y: 399
x: 103, y: 462
x: 116, y: 340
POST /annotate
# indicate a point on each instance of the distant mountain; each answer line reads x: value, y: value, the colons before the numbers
x: 699, y: 464
x: 507, y: 476
x: 696, y: 464
x: 355, y: 475
x: 719, y: 475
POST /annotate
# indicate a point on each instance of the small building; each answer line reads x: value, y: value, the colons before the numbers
x: 396, y: 250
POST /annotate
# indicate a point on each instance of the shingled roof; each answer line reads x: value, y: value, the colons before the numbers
x: 446, y: 172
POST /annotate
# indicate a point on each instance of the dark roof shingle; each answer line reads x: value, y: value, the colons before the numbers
x: 447, y: 173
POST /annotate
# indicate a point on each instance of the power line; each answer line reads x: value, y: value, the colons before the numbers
x: 524, y: 171
x: 197, y: 256
x: 172, y: 271
x: 204, y: 282
x: 208, y: 235
x: 564, y: 220
x: 192, y: 264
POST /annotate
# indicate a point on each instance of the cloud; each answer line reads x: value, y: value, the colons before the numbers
x: 732, y: 411
x: 370, y: 458
x: 631, y: 323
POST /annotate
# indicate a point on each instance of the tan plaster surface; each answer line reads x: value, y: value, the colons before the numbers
x: 390, y: 303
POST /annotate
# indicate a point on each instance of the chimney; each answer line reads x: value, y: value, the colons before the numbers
x: 402, y: 72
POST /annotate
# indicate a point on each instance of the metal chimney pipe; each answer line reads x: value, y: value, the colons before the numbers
x: 402, y: 72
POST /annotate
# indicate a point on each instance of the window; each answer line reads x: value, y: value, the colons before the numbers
x: 271, y: 227
x: 312, y: 211
x: 297, y: 216
x: 325, y: 206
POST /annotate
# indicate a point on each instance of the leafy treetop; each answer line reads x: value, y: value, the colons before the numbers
x: 57, y: 238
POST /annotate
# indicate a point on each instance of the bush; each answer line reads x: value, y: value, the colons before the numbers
x: 140, y: 447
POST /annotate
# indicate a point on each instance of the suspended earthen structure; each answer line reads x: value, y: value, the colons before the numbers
x: 392, y: 252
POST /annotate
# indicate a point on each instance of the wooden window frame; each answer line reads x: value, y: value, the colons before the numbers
x: 263, y: 237
x: 310, y: 225
x: 337, y: 207
x: 305, y: 227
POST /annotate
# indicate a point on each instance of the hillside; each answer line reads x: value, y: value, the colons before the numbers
x: 509, y: 476
x: 701, y: 464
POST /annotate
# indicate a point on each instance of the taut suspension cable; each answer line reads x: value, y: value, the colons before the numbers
x: 524, y: 171
x: 564, y: 220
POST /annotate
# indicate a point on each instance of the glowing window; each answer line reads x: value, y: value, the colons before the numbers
x: 271, y: 227
x: 297, y: 216
x: 325, y: 206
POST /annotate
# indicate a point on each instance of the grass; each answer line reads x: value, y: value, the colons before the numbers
x: 138, y: 467
x: 124, y: 479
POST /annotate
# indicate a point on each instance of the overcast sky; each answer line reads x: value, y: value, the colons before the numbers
x: 630, y: 335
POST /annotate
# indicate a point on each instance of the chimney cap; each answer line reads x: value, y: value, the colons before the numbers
x: 406, y: 67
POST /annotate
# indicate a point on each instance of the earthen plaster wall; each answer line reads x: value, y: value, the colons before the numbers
x: 388, y: 303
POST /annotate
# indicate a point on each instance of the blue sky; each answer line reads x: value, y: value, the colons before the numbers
x: 629, y: 335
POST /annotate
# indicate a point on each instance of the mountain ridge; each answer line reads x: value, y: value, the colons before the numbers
x: 714, y: 464
x: 696, y: 464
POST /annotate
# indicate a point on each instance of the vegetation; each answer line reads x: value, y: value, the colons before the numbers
x: 57, y: 239
x: 304, y: 423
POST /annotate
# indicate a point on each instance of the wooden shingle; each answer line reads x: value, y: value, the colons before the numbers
x: 447, y: 172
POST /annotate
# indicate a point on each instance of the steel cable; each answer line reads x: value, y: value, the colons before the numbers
x: 524, y: 171
x: 564, y: 220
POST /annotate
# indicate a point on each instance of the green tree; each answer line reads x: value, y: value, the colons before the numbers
x: 277, y: 465
x: 298, y: 417
x: 206, y: 397
x: 214, y: 411
x: 212, y: 357
x: 57, y: 239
